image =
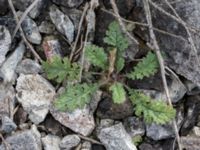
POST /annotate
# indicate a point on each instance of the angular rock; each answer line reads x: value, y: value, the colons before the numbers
x: 46, y: 27
x: 31, y: 30
x: 7, y: 100
x: 116, y: 138
x: 68, y: 3
x: 62, y: 22
x: 159, y: 132
x: 134, y: 126
x: 74, y: 15
x: 5, y: 41
x: 51, y: 47
x: 23, y: 4
x: 80, y: 120
x: 35, y: 94
x: 51, y: 142
x: 179, y: 55
x: 7, y: 125
x: 107, y: 109
x: 25, y: 140
x: 7, y: 70
x: 69, y: 142
x: 28, y: 66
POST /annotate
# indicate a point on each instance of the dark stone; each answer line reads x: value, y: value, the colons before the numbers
x: 134, y: 126
x: 192, y: 111
x: 124, y: 6
x: 107, y: 109
x: 98, y: 147
x: 3, y: 6
x: 68, y: 3
x: 103, y: 20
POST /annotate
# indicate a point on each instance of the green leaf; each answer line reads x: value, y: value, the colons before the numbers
x: 120, y: 62
x: 147, y: 67
x: 153, y: 111
x: 60, y: 69
x: 115, y: 38
x: 75, y: 96
x: 118, y: 93
x: 96, y: 56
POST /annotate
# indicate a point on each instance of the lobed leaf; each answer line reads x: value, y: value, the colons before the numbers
x: 60, y: 69
x: 115, y: 38
x: 147, y: 67
x: 96, y: 56
x: 118, y: 93
x: 153, y: 111
x: 75, y: 96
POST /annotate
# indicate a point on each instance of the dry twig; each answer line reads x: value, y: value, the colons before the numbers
x: 161, y: 63
x: 23, y: 17
x: 22, y: 33
x: 7, y: 146
x: 115, y: 9
x: 79, y: 31
x: 146, y: 25
x: 89, y: 139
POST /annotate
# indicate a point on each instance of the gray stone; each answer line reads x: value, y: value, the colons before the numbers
x: 35, y: 94
x: 160, y: 132
x: 31, y: 30
x: 22, y: 5
x: 7, y: 100
x: 62, y: 22
x: 7, y: 70
x: 25, y: 140
x: 116, y: 138
x: 190, y: 142
x: 28, y: 66
x: 74, y: 15
x: 7, y: 125
x: 69, y: 142
x: 86, y: 146
x: 51, y: 142
x: 180, y: 57
x: 176, y: 91
x: 80, y: 120
x: 134, y: 126
x: 5, y: 41
x: 46, y: 27
x: 68, y: 3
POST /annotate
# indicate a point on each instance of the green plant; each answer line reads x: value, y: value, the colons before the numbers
x: 109, y: 63
x: 137, y: 139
